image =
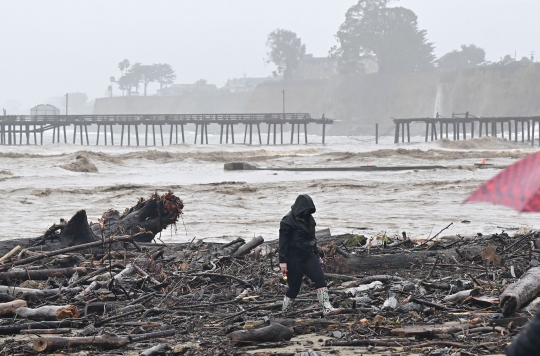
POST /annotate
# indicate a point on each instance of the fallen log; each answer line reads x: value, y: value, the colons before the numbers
x: 271, y: 333
x: 10, y: 253
x: 49, y: 312
x: 17, y: 328
x: 8, y: 309
x: 106, y: 342
x: 461, y: 296
x: 46, y: 331
x: 370, y: 342
x: 366, y: 262
x: 246, y: 248
x: 150, y: 336
x: 230, y: 248
x: 160, y: 349
x: 129, y: 238
x: 76, y: 231
x: 19, y: 291
x: 520, y: 292
x: 41, y: 274
x: 4, y: 298
x: 102, y: 307
x: 429, y: 329
x: 152, y: 215
x: 93, y: 274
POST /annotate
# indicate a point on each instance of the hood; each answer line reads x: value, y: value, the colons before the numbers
x: 302, y: 203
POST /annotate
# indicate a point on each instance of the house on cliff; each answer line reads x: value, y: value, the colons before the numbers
x: 183, y: 89
x: 243, y: 85
x: 311, y: 67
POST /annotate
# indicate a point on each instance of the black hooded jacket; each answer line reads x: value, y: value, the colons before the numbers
x: 297, y: 237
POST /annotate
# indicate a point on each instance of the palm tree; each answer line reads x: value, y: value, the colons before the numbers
x: 112, y: 80
x: 124, y: 65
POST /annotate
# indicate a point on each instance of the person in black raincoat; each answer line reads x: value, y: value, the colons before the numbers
x: 299, y: 254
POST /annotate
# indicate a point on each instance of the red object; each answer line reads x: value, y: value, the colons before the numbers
x: 483, y: 161
x: 517, y: 186
x: 285, y: 276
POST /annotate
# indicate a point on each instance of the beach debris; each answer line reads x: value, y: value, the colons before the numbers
x: 120, y: 293
x: 520, y: 292
x: 271, y: 333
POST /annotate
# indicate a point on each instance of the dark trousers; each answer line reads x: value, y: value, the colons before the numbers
x: 297, y: 268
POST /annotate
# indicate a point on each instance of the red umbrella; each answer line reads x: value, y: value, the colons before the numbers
x: 517, y: 186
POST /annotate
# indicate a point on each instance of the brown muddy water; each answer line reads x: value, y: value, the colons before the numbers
x: 41, y: 184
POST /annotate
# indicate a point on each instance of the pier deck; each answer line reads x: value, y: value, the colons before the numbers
x: 466, y: 126
x: 23, y: 129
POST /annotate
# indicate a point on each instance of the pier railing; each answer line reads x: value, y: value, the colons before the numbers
x: 26, y: 126
x: 466, y: 126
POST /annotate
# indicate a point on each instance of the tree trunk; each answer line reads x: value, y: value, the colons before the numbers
x: 35, y: 292
x: 245, y: 249
x: 42, y: 274
x: 160, y: 349
x: 49, y: 313
x: 17, y: 328
x: 272, y: 333
x: 73, y: 249
x: 365, y: 263
x: 8, y: 309
x: 520, y: 292
x: 42, y: 344
x: 152, y: 215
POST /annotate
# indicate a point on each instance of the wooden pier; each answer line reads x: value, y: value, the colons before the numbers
x: 29, y: 129
x: 466, y: 126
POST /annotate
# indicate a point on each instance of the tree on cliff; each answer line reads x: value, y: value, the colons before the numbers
x: 144, y: 74
x: 389, y: 33
x: 164, y: 74
x: 285, y: 51
x: 123, y: 66
x: 468, y: 56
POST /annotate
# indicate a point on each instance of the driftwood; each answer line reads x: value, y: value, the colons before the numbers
x: 520, y: 292
x: 46, y: 331
x: 159, y: 349
x: 17, y: 328
x: 77, y: 231
x: 429, y: 329
x: 41, y: 274
x: 5, y: 298
x: 151, y: 215
x: 49, y: 313
x: 370, y: 342
x: 43, y: 255
x: 8, y: 309
x: 36, y: 292
x: 402, y: 260
x: 302, y: 326
x: 244, y: 249
x: 10, y: 253
x: 271, y: 333
x: 461, y: 296
x: 42, y: 344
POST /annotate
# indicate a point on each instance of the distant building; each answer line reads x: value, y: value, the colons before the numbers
x: 44, y: 109
x: 182, y: 89
x: 317, y: 67
x: 326, y: 67
x: 370, y: 64
x: 241, y: 85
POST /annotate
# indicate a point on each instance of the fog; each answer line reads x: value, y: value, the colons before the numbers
x: 53, y: 47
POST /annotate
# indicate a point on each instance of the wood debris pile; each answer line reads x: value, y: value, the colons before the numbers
x: 121, y: 294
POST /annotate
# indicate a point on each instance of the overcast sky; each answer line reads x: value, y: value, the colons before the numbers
x: 50, y: 47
